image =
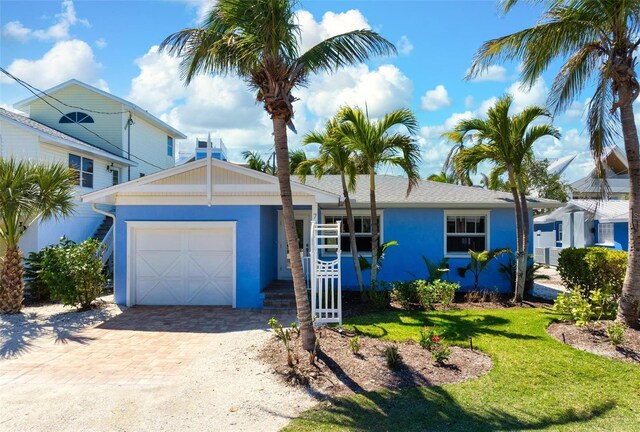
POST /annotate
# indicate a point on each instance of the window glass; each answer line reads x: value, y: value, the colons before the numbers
x: 169, y: 146
x: 76, y: 117
x: 362, y: 230
x: 464, y: 233
x: 83, y: 167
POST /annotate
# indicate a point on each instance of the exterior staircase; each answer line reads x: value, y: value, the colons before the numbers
x: 279, y: 299
x: 103, y: 229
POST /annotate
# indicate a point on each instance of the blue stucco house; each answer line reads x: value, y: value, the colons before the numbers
x: 209, y: 232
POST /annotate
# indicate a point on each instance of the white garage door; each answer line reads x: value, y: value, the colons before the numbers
x: 182, y: 263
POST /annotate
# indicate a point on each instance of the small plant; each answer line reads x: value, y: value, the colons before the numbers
x: 295, y: 328
x: 284, y: 334
x: 393, y: 356
x: 583, y: 308
x: 436, y: 292
x: 441, y: 353
x: 429, y: 337
x: 615, y: 332
x: 378, y: 296
x: 478, y: 262
x: 436, y: 271
x: 354, y: 345
x: 472, y: 296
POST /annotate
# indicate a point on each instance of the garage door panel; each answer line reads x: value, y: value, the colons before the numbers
x: 158, y: 240
x: 159, y: 264
x: 184, y: 266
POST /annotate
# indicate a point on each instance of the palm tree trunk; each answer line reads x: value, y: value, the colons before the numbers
x: 374, y: 226
x: 525, y: 230
x: 629, y: 305
x: 519, y: 288
x: 11, y: 284
x: 352, y: 235
x: 302, y: 301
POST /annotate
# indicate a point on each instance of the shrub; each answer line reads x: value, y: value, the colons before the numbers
x: 379, y: 297
x: 393, y: 356
x: 36, y: 287
x: 582, y: 308
x: 429, y: 337
x: 436, y: 292
x: 74, y: 272
x: 441, y: 353
x: 354, y: 345
x: 405, y: 293
x: 615, y: 332
x: 508, y: 269
x: 593, y: 268
x: 284, y: 334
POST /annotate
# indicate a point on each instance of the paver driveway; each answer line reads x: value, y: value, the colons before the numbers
x: 150, y: 368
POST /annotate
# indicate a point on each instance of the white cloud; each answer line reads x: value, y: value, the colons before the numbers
x: 436, y: 99
x: 404, y: 45
x: 468, y: 102
x: 524, y: 97
x: 492, y: 73
x: 101, y: 43
x: 65, y: 60
x: 332, y: 24
x: 577, y: 110
x: 56, y: 32
x: 202, y: 7
x: 382, y: 90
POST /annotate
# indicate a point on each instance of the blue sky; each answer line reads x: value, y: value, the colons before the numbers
x: 111, y: 44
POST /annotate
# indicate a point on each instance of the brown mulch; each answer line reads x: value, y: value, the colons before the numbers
x: 339, y: 372
x: 594, y: 339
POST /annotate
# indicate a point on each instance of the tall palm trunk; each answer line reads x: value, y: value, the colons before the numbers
x: 11, y: 284
x: 520, y: 269
x: 629, y: 307
x: 374, y: 226
x: 524, y: 208
x: 302, y: 301
x: 352, y: 235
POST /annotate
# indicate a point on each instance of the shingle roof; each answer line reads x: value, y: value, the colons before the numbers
x: 604, y: 211
x: 392, y: 190
x: 37, y: 126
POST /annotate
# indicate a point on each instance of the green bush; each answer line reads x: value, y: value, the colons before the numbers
x: 508, y: 269
x: 36, y: 287
x: 615, y: 332
x: 436, y: 292
x: 74, y: 272
x: 593, y: 268
x: 582, y: 308
x: 393, y: 356
x: 405, y: 293
x: 379, y: 295
x: 354, y: 345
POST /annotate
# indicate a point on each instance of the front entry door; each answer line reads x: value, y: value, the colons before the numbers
x: 303, y: 228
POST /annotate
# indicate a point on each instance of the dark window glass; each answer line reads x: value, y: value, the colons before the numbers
x: 83, y: 167
x: 87, y: 165
x: 87, y: 180
x: 462, y: 244
x: 74, y: 162
x: 169, y: 146
x: 76, y: 117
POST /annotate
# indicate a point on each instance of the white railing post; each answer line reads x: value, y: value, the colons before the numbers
x: 326, y: 283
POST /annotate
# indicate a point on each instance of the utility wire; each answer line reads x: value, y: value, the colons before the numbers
x: 27, y: 86
x: 30, y: 87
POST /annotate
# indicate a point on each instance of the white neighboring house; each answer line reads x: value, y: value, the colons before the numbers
x: 90, y: 130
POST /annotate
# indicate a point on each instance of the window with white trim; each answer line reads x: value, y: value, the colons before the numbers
x: 605, y: 233
x: 362, y: 229
x: 83, y: 167
x: 560, y: 232
x: 465, y: 232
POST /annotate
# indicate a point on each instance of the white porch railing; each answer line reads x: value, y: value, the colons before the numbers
x: 326, y: 282
x: 108, y: 245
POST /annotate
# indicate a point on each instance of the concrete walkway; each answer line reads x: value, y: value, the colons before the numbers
x: 151, y: 368
x: 548, y: 288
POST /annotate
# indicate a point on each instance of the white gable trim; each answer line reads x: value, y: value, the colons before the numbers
x: 154, y: 120
x: 87, y: 148
x: 143, y: 185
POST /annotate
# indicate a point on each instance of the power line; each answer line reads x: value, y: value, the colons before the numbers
x: 28, y: 87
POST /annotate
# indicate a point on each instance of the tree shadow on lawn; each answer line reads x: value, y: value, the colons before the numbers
x: 433, y: 409
x: 455, y: 327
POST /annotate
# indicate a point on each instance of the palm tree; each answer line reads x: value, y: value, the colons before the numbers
x: 296, y: 158
x: 335, y: 157
x: 597, y: 41
x: 259, y: 41
x: 376, y: 144
x: 255, y: 162
x: 506, y: 142
x: 28, y: 192
x: 442, y: 177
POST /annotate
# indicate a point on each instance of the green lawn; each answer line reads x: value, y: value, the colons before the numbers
x: 537, y: 383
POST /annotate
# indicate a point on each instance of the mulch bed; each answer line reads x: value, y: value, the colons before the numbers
x: 594, y: 339
x: 339, y: 372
